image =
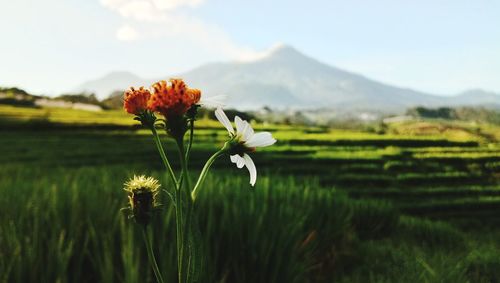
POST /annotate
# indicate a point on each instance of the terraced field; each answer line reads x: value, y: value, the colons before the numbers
x: 358, y: 190
x: 453, y: 175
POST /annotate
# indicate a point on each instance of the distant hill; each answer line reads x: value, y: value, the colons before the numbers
x: 109, y: 83
x: 19, y: 97
x: 476, y: 97
x: 286, y: 78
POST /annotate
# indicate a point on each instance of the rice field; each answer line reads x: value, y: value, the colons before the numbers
x: 330, y: 205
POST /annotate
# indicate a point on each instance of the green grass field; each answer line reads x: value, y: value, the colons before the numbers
x: 420, y: 203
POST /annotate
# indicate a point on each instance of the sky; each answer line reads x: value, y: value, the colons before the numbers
x: 437, y: 46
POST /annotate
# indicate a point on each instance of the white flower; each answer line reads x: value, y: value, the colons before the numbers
x: 244, y: 141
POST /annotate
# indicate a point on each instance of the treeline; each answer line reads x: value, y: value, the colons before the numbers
x: 479, y: 114
x: 20, y: 97
x: 13, y: 91
x: 16, y: 96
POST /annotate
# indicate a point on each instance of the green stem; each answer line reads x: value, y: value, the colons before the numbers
x: 190, y: 143
x: 188, y: 150
x: 151, y: 256
x: 178, y: 226
x: 182, y: 157
x: 163, y: 156
x: 178, y: 201
x: 187, y: 198
x: 205, y: 170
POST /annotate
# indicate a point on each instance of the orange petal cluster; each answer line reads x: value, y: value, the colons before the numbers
x: 173, y: 98
x: 170, y: 99
x: 135, y: 101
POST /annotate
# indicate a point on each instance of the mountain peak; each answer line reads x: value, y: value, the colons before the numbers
x: 282, y: 49
x: 281, y: 53
x: 278, y: 50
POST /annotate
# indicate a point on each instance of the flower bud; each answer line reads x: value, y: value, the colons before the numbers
x: 142, y: 195
x: 135, y: 101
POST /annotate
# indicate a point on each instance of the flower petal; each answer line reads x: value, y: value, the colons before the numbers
x: 243, y: 129
x: 247, y: 132
x: 240, y: 125
x: 251, y: 169
x: 234, y: 158
x: 240, y: 162
x: 260, y: 140
x: 221, y: 116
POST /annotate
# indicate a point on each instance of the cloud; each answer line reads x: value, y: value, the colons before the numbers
x: 139, y: 10
x: 161, y: 18
x: 172, y: 4
x: 127, y: 33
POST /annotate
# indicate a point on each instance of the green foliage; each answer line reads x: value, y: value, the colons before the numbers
x: 483, y: 265
x: 330, y: 204
x: 80, y: 97
x: 89, y: 236
x: 431, y: 234
x: 478, y: 114
x: 374, y: 218
x: 114, y: 101
x: 17, y: 102
x: 16, y: 96
x: 230, y: 114
x: 441, y: 112
x: 13, y: 91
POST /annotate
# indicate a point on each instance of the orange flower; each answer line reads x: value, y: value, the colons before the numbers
x: 136, y: 100
x: 174, y: 98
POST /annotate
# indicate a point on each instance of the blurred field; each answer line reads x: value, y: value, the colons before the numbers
x: 416, y: 202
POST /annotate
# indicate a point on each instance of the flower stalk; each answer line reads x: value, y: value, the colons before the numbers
x: 163, y: 156
x: 178, y: 105
x: 179, y: 232
x: 185, y: 216
x: 151, y: 255
x: 206, y: 168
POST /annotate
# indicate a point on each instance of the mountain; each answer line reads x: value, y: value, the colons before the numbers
x: 476, y: 97
x: 286, y: 78
x: 114, y: 81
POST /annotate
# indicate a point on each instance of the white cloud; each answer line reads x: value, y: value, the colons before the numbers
x: 160, y: 18
x: 147, y: 10
x: 138, y: 10
x: 172, y: 4
x: 127, y: 33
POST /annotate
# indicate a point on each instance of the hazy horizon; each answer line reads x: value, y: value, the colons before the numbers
x: 440, y: 48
